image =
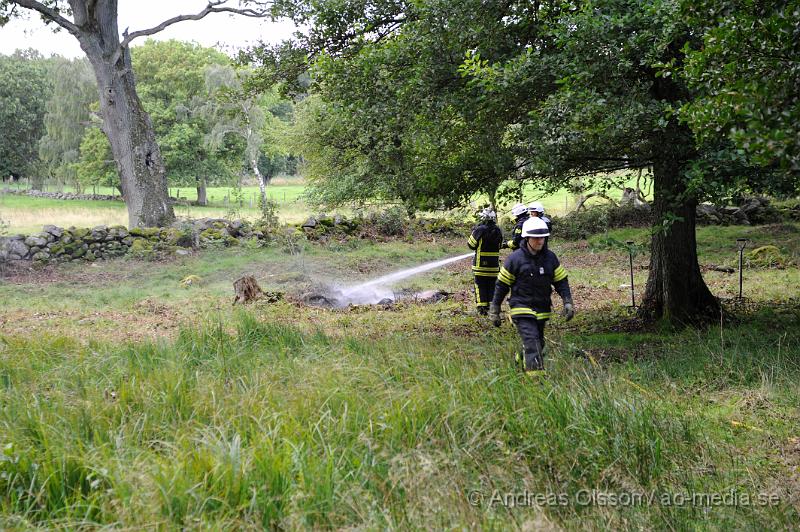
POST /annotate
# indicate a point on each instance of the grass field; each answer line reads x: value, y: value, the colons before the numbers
x: 129, y: 402
x: 26, y: 215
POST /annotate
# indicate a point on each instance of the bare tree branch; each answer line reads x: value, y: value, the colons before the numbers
x: 48, y: 13
x: 592, y: 195
x: 212, y: 7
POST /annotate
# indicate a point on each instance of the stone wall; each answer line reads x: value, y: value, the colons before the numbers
x: 56, y: 244
x: 61, y: 195
x: 754, y: 210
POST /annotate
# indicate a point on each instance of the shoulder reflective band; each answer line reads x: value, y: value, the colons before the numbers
x: 506, y: 276
x: 559, y: 274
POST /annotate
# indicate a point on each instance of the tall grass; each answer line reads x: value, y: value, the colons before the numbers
x: 257, y: 424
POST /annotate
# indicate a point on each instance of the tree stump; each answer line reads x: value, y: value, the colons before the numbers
x: 247, y: 289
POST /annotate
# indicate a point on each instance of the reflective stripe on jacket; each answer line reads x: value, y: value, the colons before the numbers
x: 486, y: 240
x: 530, y: 279
x: 516, y: 233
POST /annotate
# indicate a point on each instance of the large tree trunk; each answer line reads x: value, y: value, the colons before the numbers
x: 202, y: 195
x: 125, y: 122
x: 675, y: 288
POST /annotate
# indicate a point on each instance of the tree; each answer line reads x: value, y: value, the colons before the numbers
x: 235, y: 111
x: 94, y: 23
x: 578, y: 90
x: 24, y: 90
x: 607, y: 105
x: 95, y: 165
x: 67, y: 117
x: 171, y: 80
x: 746, y: 72
x: 392, y: 118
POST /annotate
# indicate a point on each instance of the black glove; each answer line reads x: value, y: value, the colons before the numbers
x: 504, y: 245
x: 494, y: 314
x: 569, y: 310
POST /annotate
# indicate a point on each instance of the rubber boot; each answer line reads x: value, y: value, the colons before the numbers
x: 534, y: 364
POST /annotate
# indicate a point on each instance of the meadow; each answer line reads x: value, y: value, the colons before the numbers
x: 26, y: 215
x: 131, y: 402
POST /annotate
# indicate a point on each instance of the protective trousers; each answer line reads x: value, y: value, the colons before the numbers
x: 484, y: 292
x: 531, y: 331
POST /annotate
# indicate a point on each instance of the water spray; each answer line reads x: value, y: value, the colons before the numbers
x: 377, y: 290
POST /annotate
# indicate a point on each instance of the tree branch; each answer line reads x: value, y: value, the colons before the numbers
x: 592, y: 195
x: 212, y: 7
x: 48, y: 13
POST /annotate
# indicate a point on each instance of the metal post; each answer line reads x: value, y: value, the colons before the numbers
x: 630, y: 256
x: 741, y: 243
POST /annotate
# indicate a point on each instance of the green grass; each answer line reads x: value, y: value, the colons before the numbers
x: 26, y: 215
x: 270, y: 425
x: 129, y: 402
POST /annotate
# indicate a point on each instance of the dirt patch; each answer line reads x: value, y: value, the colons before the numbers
x: 607, y: 355
x: 94, y: 273
x: 150, y: 318
x: 152, y: 306
x: 787, y: 484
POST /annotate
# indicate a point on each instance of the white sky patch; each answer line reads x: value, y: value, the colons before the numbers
x: 228, y: 33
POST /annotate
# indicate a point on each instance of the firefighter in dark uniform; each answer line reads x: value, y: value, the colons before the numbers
x: 521, y: 213
x: 537, y: 209
x: 486, y: 239
x: 530, y: 274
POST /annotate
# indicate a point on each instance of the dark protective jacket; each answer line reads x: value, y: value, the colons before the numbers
x: 546, y: 220
x: 516, y: 233
x: 531, y: 279
x: 486, y: 239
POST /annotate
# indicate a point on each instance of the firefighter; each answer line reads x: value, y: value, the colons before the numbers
x: 537, y: 209
x: 521, y: 213
x: 529, y: 273
x: 486, y: 239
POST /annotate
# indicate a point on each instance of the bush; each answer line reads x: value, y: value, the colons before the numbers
x: 767, y: 257
x: 598, y: 219
x: 268, y: 220
x: 390, y: 222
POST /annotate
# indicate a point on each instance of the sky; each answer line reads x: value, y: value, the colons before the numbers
x: 228, y: 33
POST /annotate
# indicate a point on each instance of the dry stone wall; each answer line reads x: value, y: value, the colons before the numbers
x: 61, y: 195
x: 56, y: 244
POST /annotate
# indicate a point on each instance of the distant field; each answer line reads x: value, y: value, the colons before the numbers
x: 280, y: 190
x: 27, y: 215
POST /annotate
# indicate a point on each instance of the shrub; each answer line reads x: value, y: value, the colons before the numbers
x: 598, y: 219
x: 390, y: 222
x: 268, y: 219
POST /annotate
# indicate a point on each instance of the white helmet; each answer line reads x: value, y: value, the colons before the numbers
x: 536, y: 206
x: 487, y: 215
x: 535, y: 227
x: 518, y: 209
